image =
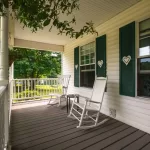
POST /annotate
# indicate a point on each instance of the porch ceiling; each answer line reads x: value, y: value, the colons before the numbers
x: 98, y: 11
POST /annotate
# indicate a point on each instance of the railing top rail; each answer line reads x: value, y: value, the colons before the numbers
x: 37, y: 79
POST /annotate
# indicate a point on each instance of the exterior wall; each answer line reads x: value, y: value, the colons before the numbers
x: 133, y: 111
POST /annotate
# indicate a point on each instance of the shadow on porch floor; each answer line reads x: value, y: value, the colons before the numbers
x: 41, y: 127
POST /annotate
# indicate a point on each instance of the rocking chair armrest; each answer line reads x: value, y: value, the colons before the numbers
x: 94, y: 102
x: 86, y: 98
x: 65, y: 87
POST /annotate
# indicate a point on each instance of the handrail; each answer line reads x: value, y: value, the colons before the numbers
x: 37, y: 79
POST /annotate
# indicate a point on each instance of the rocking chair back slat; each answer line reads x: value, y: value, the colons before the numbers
x: 98, y: 89
x: 63, y: 80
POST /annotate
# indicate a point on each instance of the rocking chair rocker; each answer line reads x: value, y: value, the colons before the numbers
x: 92, y: 104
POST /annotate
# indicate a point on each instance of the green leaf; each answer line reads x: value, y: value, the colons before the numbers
x: 36, y: 14
x: 46, y: 22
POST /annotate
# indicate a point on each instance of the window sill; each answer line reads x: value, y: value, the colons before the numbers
x: 86, y: 87
x: 146, y: 99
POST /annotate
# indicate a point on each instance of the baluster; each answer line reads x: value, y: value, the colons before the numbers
x: 54, y: 86
x: 46, y: 87
x: 25, y: 88
x: 35, y: 91
x: 18, y: 88
x: 39, y: 88
x: 21, y: 88
x: 43, y: 86
x: 51, y: 86
x: 28, y: 88
x: 14, y: 89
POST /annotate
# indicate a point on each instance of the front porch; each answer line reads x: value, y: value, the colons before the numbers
x: 112, y: 54
x: 44, y: 127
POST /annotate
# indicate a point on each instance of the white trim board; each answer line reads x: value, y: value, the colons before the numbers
x: 38, y: 45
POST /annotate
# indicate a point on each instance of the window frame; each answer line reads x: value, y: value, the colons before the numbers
x: 137, y: 54
x: 93, y: 41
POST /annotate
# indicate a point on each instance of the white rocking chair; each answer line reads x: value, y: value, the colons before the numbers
x: 92, y: 104
x: 56, y: 98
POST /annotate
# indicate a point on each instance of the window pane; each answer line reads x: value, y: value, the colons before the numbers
x: 87, y: 78
x: 82, y: 52
x: 144, y: 51
x: 93, y: 60
x: 87, y: 57
x: 93, y: 66
x: 145, y: 42
x: 92, y: 55
x: 145, y: 64
x: 82, y: 62
x: 145, y: 25
x: 87, y: 61
x: 144, y: 85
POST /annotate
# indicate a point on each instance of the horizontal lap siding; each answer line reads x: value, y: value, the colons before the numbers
x: 133, y: 111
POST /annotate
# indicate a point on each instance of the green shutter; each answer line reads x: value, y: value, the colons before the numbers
x: 101, y: 56
x: 127, y: 59
x: 76, y: 67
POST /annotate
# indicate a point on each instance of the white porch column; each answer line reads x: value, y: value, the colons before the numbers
x: 4, y: 48
x: 4, y: 72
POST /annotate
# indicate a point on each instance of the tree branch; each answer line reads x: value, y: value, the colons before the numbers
x: 36, y: 14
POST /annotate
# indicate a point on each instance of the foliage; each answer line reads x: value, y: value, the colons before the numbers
x: 15, y: 54
x: 40, y: 90
x: 36, y: 63
x: 27, y: 93
x: 48, y: 88
x: 36, y: 14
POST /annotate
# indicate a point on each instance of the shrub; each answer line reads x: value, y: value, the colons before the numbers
x: 27, y: 93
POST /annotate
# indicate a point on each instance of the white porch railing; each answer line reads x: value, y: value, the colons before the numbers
x: 4, y: 117
x: 37, y: 88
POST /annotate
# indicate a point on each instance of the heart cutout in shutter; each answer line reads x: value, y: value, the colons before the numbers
x: 126, y: 59
x: 100, y: 63
x: 76, y: 66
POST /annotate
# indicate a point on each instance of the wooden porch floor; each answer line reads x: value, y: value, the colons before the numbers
x: 48, y: 128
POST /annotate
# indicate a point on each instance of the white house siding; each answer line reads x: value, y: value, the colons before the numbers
x: 133, y: 111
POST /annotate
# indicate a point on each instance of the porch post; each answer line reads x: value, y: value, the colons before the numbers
x: 4, y: 48
x: 4, y: 72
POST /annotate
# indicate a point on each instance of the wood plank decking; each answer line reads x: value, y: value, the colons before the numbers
x: 48, y: 128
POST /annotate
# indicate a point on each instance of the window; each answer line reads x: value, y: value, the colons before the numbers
x: 143, y: 61
x: 87, y: 65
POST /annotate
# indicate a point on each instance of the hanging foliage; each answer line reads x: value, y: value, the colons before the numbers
x: 37, y: 14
